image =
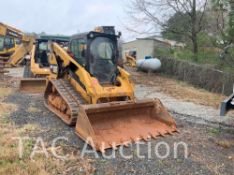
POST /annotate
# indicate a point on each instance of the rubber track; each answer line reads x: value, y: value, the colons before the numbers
x: 69, y: 95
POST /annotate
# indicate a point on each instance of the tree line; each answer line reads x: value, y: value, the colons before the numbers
x: 184, y: 20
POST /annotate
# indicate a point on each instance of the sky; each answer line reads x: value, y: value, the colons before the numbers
x: 62, y: 16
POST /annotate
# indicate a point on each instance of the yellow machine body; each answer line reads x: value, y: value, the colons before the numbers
x: 94, y: 91
x: 8, y: 39
x: 38, y: 67
x: 108, y: 114
x: 14, y: 45
x: 130, y: 61
x: 35, y: 81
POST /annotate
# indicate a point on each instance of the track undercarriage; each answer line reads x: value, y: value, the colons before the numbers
x: 63, y: 100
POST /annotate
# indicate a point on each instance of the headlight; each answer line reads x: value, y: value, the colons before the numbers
x: 54, y: 69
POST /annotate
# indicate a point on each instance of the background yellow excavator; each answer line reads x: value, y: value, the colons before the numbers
x: 14, y: 44
x: 88, y: 89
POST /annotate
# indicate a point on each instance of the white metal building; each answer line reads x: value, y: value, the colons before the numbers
x: 147, y: 46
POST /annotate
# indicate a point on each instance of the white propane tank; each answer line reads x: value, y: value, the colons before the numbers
x: 151, y: 64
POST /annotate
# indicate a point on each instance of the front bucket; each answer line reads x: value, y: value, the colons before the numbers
x: 110, y: 125
x: 32, y: 85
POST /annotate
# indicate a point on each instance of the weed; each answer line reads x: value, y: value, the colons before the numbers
x: 214, y: 131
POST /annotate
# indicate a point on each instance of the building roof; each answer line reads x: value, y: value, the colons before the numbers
x: 166, y: 41
x: 160, y: 39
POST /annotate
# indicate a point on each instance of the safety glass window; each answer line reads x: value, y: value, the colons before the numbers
x: 78, y: 48
x: 9, y: 43
x: 1, y: 43
x: 102, y: 48
x: 43, y: 46
x: 18, y: 41
x: 102, y: 63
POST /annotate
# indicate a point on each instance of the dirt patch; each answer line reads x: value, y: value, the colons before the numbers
x: 6, y: 109
x: 5, y: 92
x: 9, y: 82
x: 225, y: 143
x: 177, y: 89
x: 32, y: 109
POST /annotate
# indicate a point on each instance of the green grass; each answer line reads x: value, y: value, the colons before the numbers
x: 213, y: 131
x: 212, y: 59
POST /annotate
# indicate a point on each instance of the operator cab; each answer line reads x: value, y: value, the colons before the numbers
x: 97, y: 51
x: 42, y: 48
x: 7, y: 43
x: 41, y: 53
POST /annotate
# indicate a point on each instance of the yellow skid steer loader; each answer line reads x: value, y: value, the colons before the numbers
x: 92, y: 92
x: 38, y: 66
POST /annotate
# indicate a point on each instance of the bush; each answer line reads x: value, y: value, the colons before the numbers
x: 205, y: 56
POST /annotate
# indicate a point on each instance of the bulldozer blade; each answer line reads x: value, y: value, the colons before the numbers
x: 32, y: 85
x: 109, y: 125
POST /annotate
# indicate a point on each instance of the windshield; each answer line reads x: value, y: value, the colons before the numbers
x: 43, y: 46
x: 102, y: 48
x: 1, y: 43
x: 17, y: 41
x: 102, y: 64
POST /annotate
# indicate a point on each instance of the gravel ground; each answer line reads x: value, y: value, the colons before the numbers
x: 200, y: 112
x: 210, y: 147
x: 205, y: 153
x: 155, y: 89
x: 15, y: 72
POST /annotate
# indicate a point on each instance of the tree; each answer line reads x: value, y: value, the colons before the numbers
x: 225, y: 8
x: 223, y: 19
x: 175, y: 25
x: 156, y: 13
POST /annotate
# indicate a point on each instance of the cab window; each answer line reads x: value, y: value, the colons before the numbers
x: 9, y: 43
x: 1, y: 43
x: 43, y: 46
x: 18, y: 41
x: 78, y: 48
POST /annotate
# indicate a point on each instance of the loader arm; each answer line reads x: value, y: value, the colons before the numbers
x: 85, y: 78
